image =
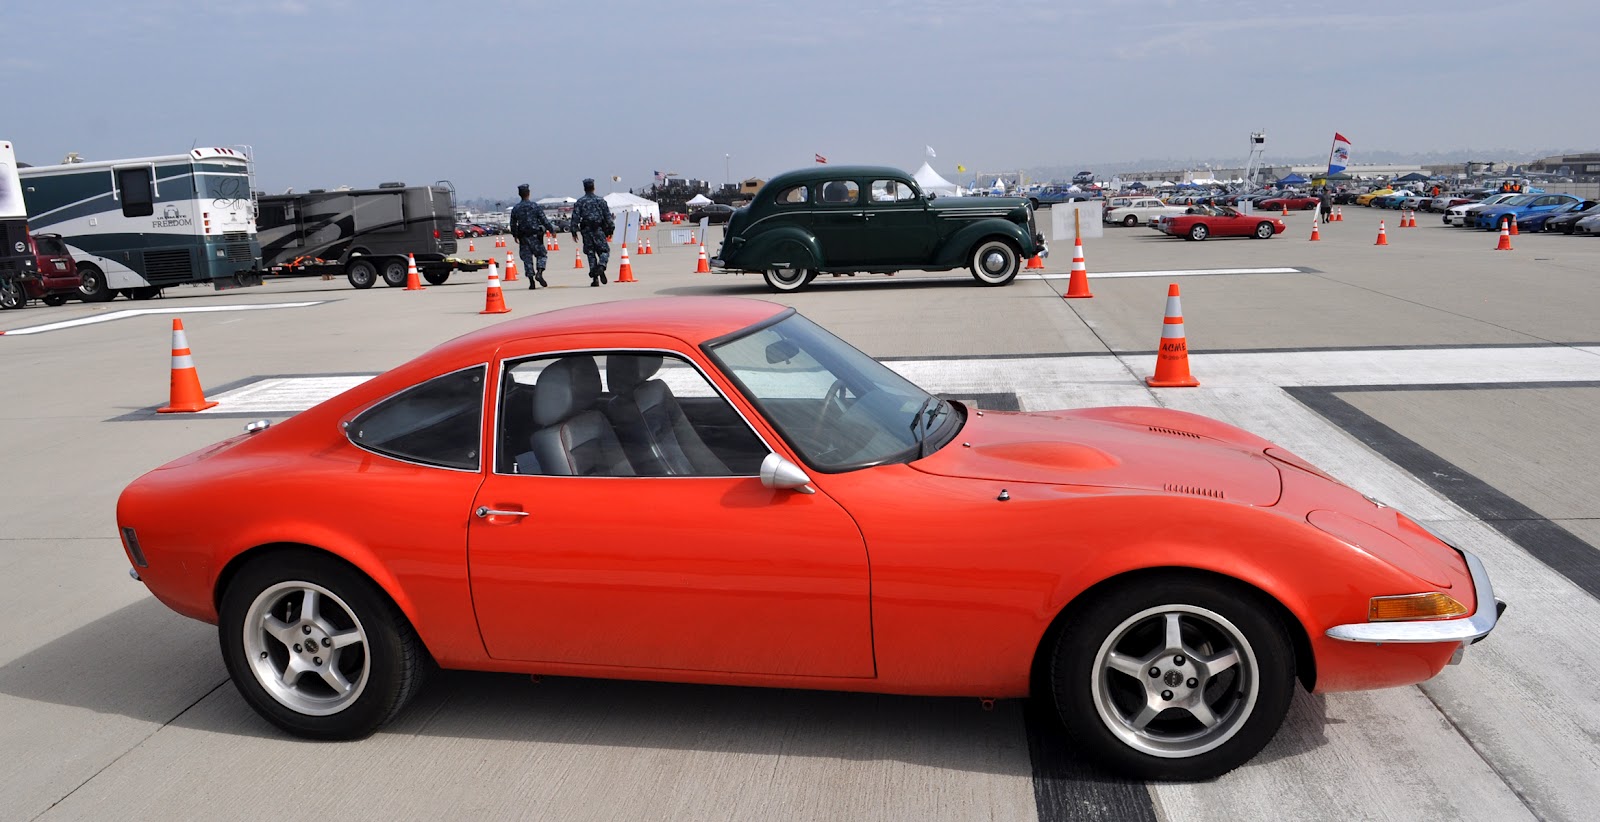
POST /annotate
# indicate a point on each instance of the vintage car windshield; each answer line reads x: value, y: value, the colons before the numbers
x: 838, y: 408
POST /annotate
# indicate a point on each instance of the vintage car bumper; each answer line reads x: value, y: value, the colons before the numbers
x: 1465, y: 630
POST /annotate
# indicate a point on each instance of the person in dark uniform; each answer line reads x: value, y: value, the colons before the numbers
x: 591, y: 219
x: 528, y: 226
x: 1325, y: 200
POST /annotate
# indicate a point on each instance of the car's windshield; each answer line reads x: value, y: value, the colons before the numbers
x: 838, y: 408
x: 1521, y: 200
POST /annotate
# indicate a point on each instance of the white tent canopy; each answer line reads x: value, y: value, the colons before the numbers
x: 931, y: 181
x: 698, y: 200
x: 623, y: 201
x: 557, y: 201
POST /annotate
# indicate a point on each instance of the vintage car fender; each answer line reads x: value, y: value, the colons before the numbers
x: 958, y: 246
x: 758, y: 253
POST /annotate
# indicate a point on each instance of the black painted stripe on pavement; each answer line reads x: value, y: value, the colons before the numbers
x: 1068, y: 789
x: 1559, y: 549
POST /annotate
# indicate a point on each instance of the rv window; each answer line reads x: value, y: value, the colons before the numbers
x: 378, y: 213
x: 134, y: 186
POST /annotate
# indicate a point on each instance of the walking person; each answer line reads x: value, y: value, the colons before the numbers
x: 591, y: 219
x: 1326, y: 201
x: 528, y: 227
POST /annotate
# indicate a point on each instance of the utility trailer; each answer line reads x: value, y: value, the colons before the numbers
x: 365, y: 234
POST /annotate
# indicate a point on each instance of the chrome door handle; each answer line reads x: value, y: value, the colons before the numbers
x: 485, y: 511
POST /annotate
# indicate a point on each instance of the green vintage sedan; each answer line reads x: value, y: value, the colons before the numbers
x: 848, y: 219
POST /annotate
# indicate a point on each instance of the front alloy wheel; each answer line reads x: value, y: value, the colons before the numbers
x: 1264, y: 231
x: 316, y: 648
x: 1174, y: 677
x: 995, y: 262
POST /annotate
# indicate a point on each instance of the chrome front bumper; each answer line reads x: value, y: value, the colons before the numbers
x: 1465, y: 630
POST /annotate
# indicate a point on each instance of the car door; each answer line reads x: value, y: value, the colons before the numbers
x: 898, y: 228
x: 838, y: 221
x: 692, y: 570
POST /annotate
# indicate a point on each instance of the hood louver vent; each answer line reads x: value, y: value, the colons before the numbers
x: 1173, y: 431
x: 1192, y: 489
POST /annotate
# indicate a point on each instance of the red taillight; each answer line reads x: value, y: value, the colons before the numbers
x: 436, y: 234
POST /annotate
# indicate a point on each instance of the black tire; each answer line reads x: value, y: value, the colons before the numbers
x: 994, y: 262
x: 435, y: 277
x: 787, y: 280
x: 361, y: 273
x: 1199, y: 231
x: 1247, y: 701
x: 148, y: 292
x: 394, y: 272
x: 1131, y: 220
x: 1569, y: 228
x: 93, y: 289
x: 392, y: 662
x: 1264, y: 231
x: 12, y: 294
x: 54, y: 300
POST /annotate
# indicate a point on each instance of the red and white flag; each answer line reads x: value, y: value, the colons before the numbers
x: 822, y: 159
x: 1339, y: 156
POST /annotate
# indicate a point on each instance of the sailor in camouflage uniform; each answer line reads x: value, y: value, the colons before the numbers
x: 528, y: 226
x: 591, y: 219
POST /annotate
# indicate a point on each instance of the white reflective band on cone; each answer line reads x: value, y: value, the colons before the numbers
x: 180, y: 340
x: 1174, y: 306
x: 1172, y: 332
x: 182, y: 361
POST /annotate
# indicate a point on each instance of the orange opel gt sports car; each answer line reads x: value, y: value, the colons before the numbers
x: 718, y: 490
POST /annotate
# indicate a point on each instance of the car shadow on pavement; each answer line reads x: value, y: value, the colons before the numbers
x: 145, y: 662
x: 754, y: 286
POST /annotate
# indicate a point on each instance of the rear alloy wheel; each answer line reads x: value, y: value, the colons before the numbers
x: 995, y: 262
x: 1173, y: 677
x: 11, y: 294
x: 394, y: 272
x: 787, y: 279
x: 1199, y: 231
x: 1130, y: 220
x: 316, y: 648
x: 361, y: 273
x: 1264, y: 231
x: 93, y: 284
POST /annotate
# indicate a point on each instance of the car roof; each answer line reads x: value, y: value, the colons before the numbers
x: 835, y: 173
x: 692, y: 319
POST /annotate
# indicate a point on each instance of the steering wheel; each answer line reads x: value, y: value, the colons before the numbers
x: 833, y: 405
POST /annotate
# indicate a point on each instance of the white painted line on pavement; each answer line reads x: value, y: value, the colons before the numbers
x: 282, y: 394
x: 137, y: 312
x: 1179, y: 272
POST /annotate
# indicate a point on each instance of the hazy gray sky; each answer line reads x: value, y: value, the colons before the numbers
x: 489, y: 94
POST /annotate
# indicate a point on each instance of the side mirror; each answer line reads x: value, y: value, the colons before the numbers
x: 777, y: 472
x: 933, y: 195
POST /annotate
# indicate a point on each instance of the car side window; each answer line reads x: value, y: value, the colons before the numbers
x: 619, y: 414
x: 437, y: 423
x: 793, y: 195
x: 891, y: 191
x: 840, y: 192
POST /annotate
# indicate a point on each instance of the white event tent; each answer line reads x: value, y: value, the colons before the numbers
x: 623, y: 201
x: 931, y: 181
x: 698, y: 200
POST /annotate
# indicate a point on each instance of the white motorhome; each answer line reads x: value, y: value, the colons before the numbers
x: 17, y: 262
x: 139, y: 225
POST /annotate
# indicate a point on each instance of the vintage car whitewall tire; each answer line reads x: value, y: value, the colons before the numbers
x: 786, y: 280
x: 317, y: 649
x: 995, y: 262
x: 1173, y: 676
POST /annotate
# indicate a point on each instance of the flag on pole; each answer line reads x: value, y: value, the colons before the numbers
x: 616, y: 179
x: 822, y: 159
x: 930, y: 151
x: 961, y: 168
x: 1339, y: 157
x: 660, y: 177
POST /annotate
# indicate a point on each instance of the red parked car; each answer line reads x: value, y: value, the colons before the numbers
x: 58, y: 274
x: 745, y: 499
x: 1218, y: 221
x: 1297, y: 202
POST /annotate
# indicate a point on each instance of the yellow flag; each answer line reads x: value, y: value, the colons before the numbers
x: 961, y: 168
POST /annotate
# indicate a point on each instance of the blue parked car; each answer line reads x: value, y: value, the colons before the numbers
x: 1537, y: 220
x: 1522, y: 207
x: 1391, y: 200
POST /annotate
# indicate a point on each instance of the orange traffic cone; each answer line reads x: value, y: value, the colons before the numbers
x: 1172, y: 361
x: 1035, y: 262
x: 413, y: 282
x: 1285, y: 208
x: 703, y: 266
x: 1383, y: 237
x: 185, y: 394
x: 511, y: 268
x: 1315, y: 224
x: 1338, y: 215
x: 691, y: 238
x: 625, y: 271
x: 1505, y: 239
x: 647, y: 249
x: 638, y: 247
x: 1513, y: 220
x: 470, y: 249
x: 494, y: 302
x: 1078, y: 283
x: 555, y: 242
x: 577, y: 260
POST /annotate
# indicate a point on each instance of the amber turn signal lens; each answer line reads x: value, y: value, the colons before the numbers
x: 1414, y: 606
